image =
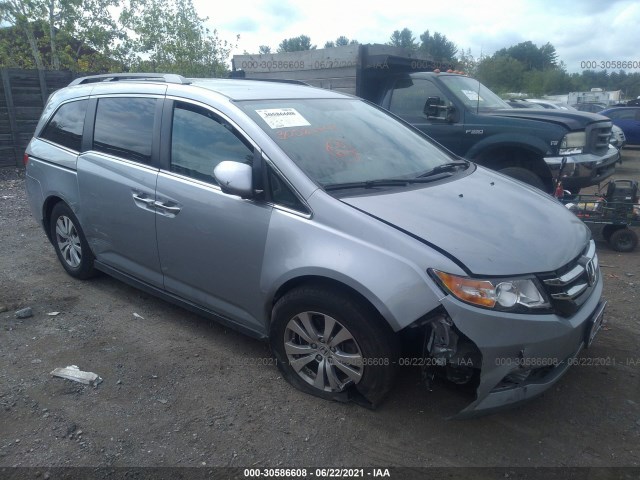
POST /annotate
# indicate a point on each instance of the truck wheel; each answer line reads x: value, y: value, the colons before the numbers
x: 525, y: 176
x: 623, y: 240
x: 329, y: 344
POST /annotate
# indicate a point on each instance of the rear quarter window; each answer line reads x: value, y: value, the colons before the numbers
x: 66, y: 126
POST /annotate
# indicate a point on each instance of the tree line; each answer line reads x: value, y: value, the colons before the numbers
x: 170, y: 36
x: 110, y: 36
x: 437, y: 45
x: 527, y: 68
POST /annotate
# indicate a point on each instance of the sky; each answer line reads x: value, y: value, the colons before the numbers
x: 580, y: 30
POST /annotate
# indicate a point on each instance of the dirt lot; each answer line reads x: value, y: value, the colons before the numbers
x: 180, y: 390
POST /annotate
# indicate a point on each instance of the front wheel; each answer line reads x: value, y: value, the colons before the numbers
x: 69, y: 242
x: 525, y: 176
x: 333, y: 345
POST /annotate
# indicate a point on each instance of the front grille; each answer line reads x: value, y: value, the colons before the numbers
x: 571, y: 286
x: 598, y: 136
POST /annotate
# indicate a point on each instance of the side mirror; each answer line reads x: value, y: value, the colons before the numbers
x: 234, y: 178
x: 432, y: 107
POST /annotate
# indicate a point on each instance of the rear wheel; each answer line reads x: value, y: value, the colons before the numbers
x: 525, y: 176
x: 608, y: 230
x: 69, y: 242
x: 623, y: 240
x: 332, y: 345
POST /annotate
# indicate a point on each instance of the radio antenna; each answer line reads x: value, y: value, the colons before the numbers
x: 478, y: 97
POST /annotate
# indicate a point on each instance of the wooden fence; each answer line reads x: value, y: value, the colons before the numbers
x: 23, y: 94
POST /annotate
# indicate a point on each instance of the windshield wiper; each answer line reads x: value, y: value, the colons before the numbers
x: 387, y: 182
x: 445, y: 167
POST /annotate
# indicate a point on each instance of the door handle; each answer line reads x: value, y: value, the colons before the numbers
x: 142, y: 198
x: 146, y: 201
x: 167, y: 208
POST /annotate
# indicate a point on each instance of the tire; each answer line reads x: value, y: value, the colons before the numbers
x: 525, y: 176
x: 356, y: 362
x: 623, y: 240
x: 608, y: 230
x: 70, y: 243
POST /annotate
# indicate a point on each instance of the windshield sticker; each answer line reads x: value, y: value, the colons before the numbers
x: 471, y: 95
x: 303, y: 132
x: 282, y: 117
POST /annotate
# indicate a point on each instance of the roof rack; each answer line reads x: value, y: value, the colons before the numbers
x: 118, y: 77
x: 276, y: 80
x: 240, y: 75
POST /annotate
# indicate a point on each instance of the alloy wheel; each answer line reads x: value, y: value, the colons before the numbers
x: 323, y: 352
x: 68, y: 241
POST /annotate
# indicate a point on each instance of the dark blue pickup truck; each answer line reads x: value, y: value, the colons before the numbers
x: 456, y: 111
x: 473, y: 122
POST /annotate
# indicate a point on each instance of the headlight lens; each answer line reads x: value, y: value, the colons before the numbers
x: 499, y: 294
x: 573, y: 143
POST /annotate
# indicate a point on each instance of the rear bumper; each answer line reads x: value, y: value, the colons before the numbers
x: 586, y: 169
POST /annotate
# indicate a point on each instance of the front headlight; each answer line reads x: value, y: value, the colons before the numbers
x: 573, y: 143
x: 499, y: 294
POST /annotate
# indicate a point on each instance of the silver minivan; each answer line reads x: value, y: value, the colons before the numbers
x: 346, y: 238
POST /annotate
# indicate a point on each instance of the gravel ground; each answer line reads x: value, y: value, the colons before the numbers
x: 180, y: 390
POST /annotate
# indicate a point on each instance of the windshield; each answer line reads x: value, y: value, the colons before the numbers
x: 473, y: 94
x: 344, y: 140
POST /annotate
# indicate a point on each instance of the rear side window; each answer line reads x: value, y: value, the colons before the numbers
x: 65, y: 128
x: 124, y: 127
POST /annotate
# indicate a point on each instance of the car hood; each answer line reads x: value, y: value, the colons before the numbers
x: 490, y: 223
x: 570, y: 119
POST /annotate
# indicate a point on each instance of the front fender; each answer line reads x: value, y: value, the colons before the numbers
x: 299, y: 247
x: 501, y: 141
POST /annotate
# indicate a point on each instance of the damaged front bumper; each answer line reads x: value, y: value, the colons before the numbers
x: 521, y: 355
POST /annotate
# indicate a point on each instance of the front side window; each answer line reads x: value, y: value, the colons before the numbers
x: 66, y: 126
x: 409, y: 96
x: 124, y: 127
x: 200, y: 140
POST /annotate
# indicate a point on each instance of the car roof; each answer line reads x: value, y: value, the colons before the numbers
x: 236, y: 89
x: 555, y: 103
x: 232, y: 88
x: 615, y: 109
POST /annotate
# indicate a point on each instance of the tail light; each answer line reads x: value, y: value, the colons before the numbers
x: 25, y: 159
